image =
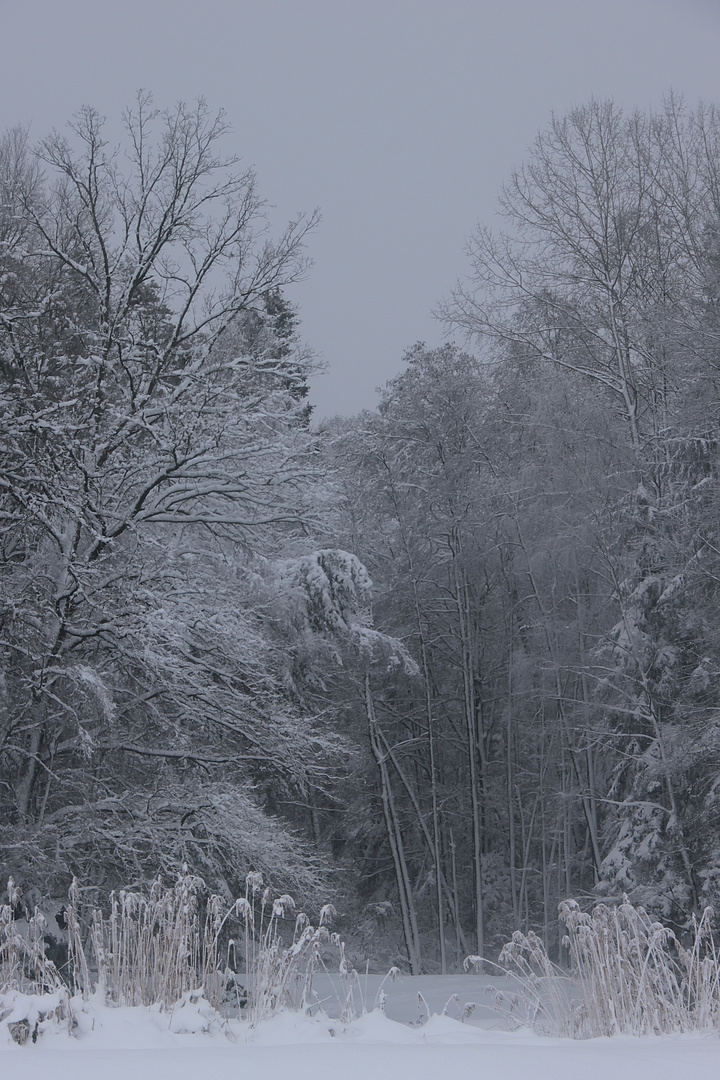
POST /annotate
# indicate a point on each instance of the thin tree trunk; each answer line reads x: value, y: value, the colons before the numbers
x: 471, y: 734
x: 510, y: 782
x: 449, y: 899
x: 394, y: 834
x: 23, y: 789
x: 435, y: 847
x: 456, y: 906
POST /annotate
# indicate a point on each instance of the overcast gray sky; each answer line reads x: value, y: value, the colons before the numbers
x: 398, y: 118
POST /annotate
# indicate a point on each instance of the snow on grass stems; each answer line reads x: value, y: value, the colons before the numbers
x: 628, y: 974
x: 23, y: 963
x: 152, y: 949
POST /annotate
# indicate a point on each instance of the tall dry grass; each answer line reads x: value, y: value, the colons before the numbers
x: 152, y: 948
x: 24, y: 967
x: 628, y: 974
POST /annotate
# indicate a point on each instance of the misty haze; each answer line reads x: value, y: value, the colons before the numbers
x: 359, y: 539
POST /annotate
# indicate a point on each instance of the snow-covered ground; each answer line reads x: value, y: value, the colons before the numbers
x: 148, y: 1044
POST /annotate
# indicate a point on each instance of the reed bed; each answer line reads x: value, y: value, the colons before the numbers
x: 628, y: 974
x: 153, y: 948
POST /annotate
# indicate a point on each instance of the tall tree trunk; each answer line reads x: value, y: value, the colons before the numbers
x: 450, y: 895
x: 395, y: 840
x: 510, y: 783
x: 461, y: 599
x: 425, y: 667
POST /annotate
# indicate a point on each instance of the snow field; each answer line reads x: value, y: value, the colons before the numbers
x: 190, y: 1042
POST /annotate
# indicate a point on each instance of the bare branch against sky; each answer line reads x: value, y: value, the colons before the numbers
x: 399, y: 119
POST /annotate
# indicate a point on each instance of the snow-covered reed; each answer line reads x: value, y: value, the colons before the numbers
x: 27, y: 975
x: 153, y: 948
x: 24, y: 967
x: 280, y: 976
x: 628, y: 974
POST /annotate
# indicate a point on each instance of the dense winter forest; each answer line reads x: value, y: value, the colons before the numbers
x: 445, y: 663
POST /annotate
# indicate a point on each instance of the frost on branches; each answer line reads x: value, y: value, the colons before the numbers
x: 155, y: 455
